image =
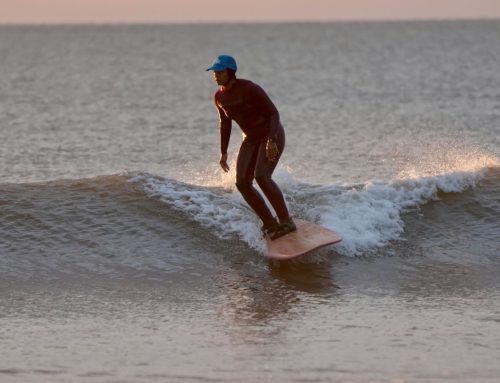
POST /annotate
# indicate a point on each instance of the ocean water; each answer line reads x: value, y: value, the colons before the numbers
x: 127, y: 255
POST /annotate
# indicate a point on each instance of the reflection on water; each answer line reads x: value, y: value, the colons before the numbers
x: 310, y: 277
x: 257, y: 306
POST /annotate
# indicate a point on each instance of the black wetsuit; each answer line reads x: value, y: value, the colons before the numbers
x: 252, y: 109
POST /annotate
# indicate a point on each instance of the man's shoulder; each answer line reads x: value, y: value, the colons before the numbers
x: 244, y: 82
x: 242, y: 86
x: 218, y: 93
x: 247, y: 84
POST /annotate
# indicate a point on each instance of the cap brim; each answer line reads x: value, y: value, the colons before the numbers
x: 216, y: 67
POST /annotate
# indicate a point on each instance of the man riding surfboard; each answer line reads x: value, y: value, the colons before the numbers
x: 250, y: 107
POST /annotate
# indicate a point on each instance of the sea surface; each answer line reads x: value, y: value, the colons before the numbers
x: 127, y: 255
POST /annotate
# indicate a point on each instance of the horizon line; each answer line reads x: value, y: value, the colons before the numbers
x: 232, y: 22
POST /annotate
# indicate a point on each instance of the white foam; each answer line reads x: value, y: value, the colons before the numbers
x: 369, y: 217
x: 222, y: 211
x: 366, y: 216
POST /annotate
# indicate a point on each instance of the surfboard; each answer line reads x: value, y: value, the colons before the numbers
x: 308, y: 237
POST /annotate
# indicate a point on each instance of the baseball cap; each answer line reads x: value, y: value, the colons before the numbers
x: 223, y: 62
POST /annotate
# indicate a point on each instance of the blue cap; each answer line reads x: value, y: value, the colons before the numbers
x: 223, y: 62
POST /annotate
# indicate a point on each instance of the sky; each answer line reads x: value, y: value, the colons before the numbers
x: 181, y: 11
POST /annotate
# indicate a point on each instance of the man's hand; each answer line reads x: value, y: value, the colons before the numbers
x: 223, y: 162
x: 272, y: 151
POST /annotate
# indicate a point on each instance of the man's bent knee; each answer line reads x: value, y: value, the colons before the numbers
x: 243, y: 185
x: 263, y: 180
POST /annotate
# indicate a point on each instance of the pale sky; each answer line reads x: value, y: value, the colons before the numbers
x: 167, y: 11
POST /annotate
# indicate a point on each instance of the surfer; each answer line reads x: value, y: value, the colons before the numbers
x: 263, y: 142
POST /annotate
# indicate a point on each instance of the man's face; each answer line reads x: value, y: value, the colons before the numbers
x: 221, y: 77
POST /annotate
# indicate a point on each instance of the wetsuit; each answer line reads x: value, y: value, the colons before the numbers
x: 252, y: 109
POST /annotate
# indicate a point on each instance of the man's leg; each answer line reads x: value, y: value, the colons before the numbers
x: 245, y: 169
x: 263, y: 172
